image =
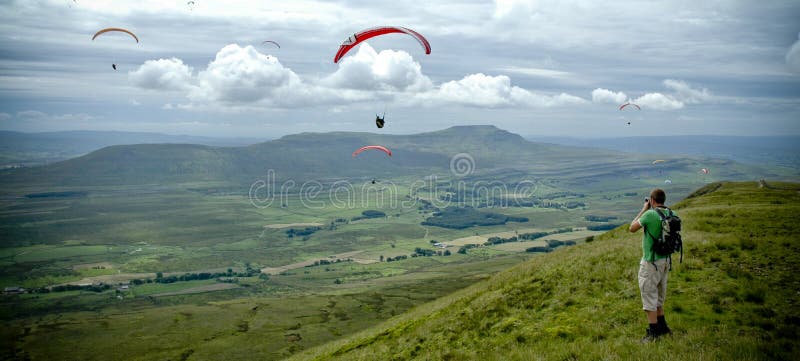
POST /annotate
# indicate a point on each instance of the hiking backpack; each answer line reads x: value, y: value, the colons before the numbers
x: 670, y: 240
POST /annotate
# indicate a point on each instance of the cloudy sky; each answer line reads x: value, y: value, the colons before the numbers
x: 531, y: 67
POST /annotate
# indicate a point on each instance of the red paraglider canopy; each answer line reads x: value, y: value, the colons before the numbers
x: 378, y: 147
x: 627, y: 104
x: 362, y: 35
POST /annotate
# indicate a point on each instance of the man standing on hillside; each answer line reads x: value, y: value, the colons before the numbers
x: 653, y: 268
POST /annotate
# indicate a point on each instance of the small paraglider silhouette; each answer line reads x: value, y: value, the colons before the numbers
x: 114, y: 66
x: 629, y: 123
x: 379, y: 121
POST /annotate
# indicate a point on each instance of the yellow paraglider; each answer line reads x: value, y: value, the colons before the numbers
x: 658, y: 161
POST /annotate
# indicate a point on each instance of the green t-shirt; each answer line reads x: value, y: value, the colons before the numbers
x: 651, y: 222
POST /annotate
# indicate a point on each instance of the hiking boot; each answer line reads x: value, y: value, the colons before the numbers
x: 649, y: 337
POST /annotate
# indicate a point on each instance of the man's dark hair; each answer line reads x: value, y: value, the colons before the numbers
x: 658, y: 196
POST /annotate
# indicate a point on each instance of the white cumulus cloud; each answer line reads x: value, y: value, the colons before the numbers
x: 162, y: 74
x: 681, y: 93
x: 685, y: 93
x: 243, y: 75
x: 601, y: 95
x: 658, y: 101
x: 388, y: 70
x: 492, y: 91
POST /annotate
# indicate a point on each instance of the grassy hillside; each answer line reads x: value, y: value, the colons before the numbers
x: 735, y: 296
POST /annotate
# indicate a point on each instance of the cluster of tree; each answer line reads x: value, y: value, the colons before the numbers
x: 533, y: 235
x: 398, y: 258
x: 465, y: 248
x: 593, y: 218
x: 542, y: 249
x: 370, y: 214
x: 602, y: 227
x: 626, y: 194
x: 422, y: 252
x: 465, y: 217
x: 426, y: 205
x: 249, y: 272
x: 551, y: 244
x: 292, y: 232
x: 499, y: 240
x: 573, y: 205
x: 324, y: 262
x: 100, y: 287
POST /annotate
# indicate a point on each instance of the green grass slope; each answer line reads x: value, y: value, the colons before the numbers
x: 735, y: 296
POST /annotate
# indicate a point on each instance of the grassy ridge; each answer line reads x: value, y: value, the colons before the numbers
x: 735, y: 296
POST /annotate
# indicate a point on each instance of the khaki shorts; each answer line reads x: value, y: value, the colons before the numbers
x: 653, y: 283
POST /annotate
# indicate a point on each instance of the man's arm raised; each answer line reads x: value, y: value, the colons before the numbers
x: 635, y: 225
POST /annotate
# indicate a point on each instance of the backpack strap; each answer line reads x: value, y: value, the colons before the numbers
x: 663, y: 217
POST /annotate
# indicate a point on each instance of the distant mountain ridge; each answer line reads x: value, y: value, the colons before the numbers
x: 310, y: 156
x: 18, y: 148
x: 774, y: 150
x: 490, y: 152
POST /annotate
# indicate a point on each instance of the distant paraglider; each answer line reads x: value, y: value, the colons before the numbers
x: 667, y: 181
x: 376, y: 147
x: 265, y: 42
x: 191, y: 5
x: 704, y: 171
x: 658, y: 161
x: 623, y: 106
x: 362, y: 35
x: 629, y: 105
x: 379, y: 120
x: 106, y: 30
